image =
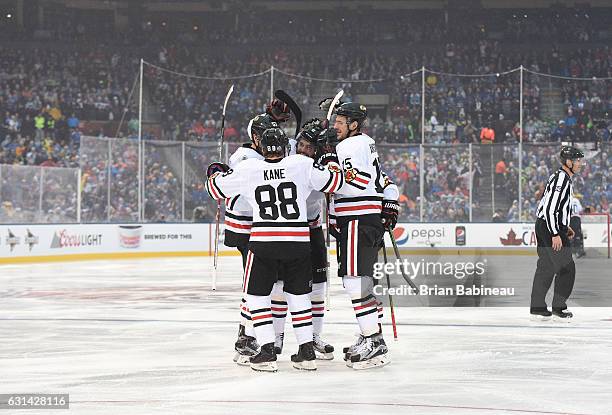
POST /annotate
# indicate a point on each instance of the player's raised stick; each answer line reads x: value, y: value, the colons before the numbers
x: 384, y: 248
x: 330, y: 111
x: 293, y: 107
x: 218, y: 215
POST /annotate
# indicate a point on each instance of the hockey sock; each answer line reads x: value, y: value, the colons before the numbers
x: 301, y: 316
x: 279, y: 307
x: 364, y: 303
x: 380, y: 311
x: 317, y: 298
x: 261, y: 315
x: 245, y: 318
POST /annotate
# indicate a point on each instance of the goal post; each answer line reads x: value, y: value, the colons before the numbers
x: 596, y: 233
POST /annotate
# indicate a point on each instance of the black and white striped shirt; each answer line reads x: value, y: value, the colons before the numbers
x: 555, y: 205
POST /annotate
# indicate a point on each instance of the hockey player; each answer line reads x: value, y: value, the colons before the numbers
x: 359, y: 206
x: 389, y: 215
x: 306, y: 144
x: 277, y: 189
x: 238, y: 222
x: 576, y: 225
x: 239, y: 217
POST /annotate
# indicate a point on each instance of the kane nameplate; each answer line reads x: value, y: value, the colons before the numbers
x: 274, y: 174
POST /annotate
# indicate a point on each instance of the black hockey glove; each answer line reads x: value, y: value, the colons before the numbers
x: 328, y: 138
x: 389, y: 214
x: 216, y: 167
x: 334, y: 231
x: 324, y: 105
x: 278, y: 110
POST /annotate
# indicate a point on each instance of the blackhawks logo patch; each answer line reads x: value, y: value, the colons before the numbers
x: 334, y: 168
x: 350, y: 175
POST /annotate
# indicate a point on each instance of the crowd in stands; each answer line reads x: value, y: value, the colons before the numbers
x: 48, y: 94
x: 241, y: 24
x: 25, y: 199
x: 592, y: 185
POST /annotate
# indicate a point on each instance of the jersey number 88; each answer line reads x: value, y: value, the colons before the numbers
x: 267, y: 197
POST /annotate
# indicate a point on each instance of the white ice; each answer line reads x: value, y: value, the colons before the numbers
x: 150, y: 337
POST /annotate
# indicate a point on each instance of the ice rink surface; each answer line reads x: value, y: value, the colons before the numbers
x: 150, y: 337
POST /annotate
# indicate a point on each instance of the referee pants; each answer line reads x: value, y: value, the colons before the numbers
x: 557, y: 265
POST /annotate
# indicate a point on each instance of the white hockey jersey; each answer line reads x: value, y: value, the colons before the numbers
x: 277, y: 191
x: 292, y: 146
x: 238, y: 212
x: 362, y: 191
x: 576, y: 207
x: 314, y: 208
x: 390, y: 192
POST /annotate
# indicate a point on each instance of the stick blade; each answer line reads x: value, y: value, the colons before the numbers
x: 227, y: 97
x: 332, y: 106
x: 293, y: 106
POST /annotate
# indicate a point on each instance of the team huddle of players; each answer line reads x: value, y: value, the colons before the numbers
x: 275, y: 190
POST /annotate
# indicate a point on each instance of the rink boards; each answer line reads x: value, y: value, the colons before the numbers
x: 62, y: 242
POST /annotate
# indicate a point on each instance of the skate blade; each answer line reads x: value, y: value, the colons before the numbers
x: 375, y: 362
x: 324, y: 356
x: 305, y: 365
x: 537, y: 317
x: 242, y: 360
x: 265, y: 367
x: 347, y: 359
x: 562, y: 320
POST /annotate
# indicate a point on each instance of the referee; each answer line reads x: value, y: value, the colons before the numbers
x: 553, y: 234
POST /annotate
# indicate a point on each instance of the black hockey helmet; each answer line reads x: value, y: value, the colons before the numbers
x: 570, y: 153
x: 261, y: 123
x: 274, y: 141
x: 310, y: 131
x: 353, y: 112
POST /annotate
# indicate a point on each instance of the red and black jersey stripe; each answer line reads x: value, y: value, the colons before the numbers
x: 280, y: 232
x: 358, y: 206
x: 241, y: 224
x: 213, y: 190
x: 334, y: 182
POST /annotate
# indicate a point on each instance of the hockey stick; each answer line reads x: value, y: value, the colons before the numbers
x: 397, y: 254
x: 293, y: 106
x: 218, y: 215
x: 333, y: 104
x: 328, y: 201
x: 390, y: 296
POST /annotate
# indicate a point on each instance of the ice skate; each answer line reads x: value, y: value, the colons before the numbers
x: 278, y: 343
x: 245, y: 346
x: 348, y: 351
x: 304, y: 359
x: 563, y: 316
x: 370, y: 354
x: 265, y: 360
x: 323, y: 350
x: 540, y: 315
